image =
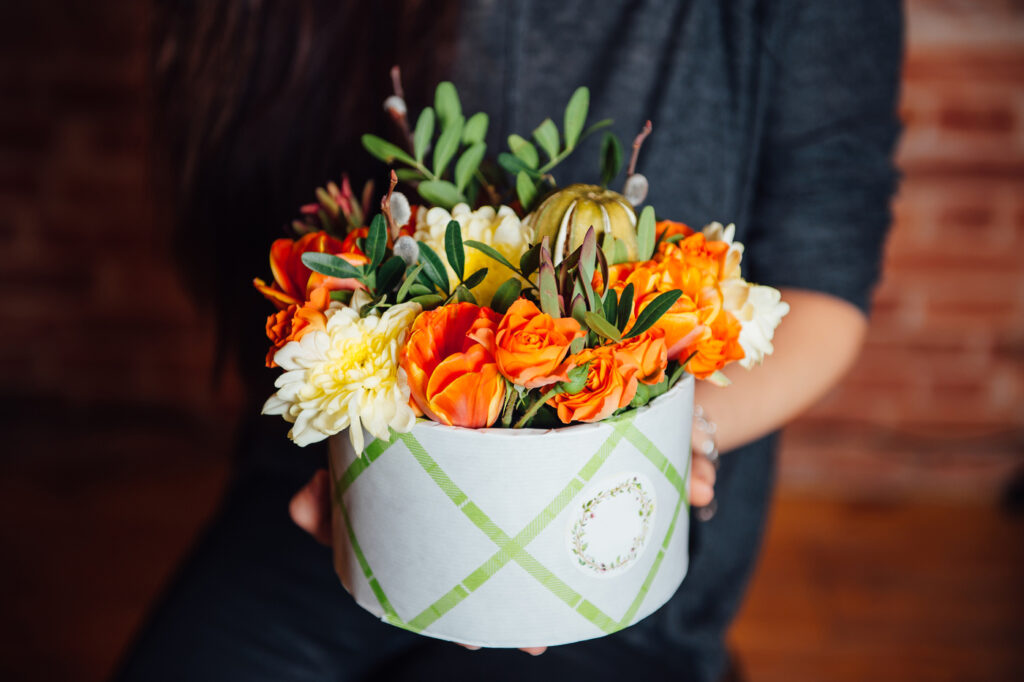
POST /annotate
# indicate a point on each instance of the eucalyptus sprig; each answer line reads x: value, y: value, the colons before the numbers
x: 458, y: 138
x: 523, y: 162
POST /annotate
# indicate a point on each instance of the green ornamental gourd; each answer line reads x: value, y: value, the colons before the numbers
x: 565, y: 216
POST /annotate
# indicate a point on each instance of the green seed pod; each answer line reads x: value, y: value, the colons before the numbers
x: 565, y: 216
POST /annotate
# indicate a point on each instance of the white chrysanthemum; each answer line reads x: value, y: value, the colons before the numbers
x: 759, y: 310
x: 346, y: 376
x: 500, y: 229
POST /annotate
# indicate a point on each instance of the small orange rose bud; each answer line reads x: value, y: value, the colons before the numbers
x: 530, y: 346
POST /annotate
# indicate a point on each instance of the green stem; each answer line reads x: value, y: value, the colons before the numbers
x: 536, y: 406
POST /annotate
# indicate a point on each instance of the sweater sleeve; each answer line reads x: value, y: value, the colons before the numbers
x: 825, y: 174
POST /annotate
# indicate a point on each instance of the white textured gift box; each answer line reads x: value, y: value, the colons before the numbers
x: 515, y: 538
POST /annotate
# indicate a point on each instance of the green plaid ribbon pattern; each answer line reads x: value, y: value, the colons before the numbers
x: 514, y: 548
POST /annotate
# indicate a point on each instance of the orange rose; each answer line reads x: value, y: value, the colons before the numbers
x: 718, y: 346
x: 291, y: 282
x: 697, y: 252
x: 611, y: 385
x: 664, y: 229
x: 530, y: 346
x: 295, y: 321
x: 648, y: 352
x: 452, y: 375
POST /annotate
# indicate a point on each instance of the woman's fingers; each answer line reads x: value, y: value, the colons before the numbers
x: 532, y: 650
x: 702, y: 481
x: 310, y: 508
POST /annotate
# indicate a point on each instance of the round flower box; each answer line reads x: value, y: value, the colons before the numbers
x: 515, y: 538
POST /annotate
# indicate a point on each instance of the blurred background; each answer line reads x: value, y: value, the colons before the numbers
x: 896, y: 544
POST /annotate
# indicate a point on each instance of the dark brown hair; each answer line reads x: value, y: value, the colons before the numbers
x: 257, y: 103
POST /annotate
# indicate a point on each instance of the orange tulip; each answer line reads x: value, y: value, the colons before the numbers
x: 453, y: 378
x: 295, y: 321
x: 530, y: 346
x: 611, y: 384
x: 648, y: 352
x: 291, y: 283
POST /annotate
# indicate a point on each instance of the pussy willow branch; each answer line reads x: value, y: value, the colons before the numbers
x: 638, y: 142
x: 400, y: 115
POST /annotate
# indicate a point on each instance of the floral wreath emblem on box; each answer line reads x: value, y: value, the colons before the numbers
x: 641, y: 496
x: 499, y: 298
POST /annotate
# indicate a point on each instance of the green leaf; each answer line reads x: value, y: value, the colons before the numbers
x: 547, y: 285
x: 476, y: 128
x: 546, y: 135
x: 390, y: 273
x: 524, y: 150
x: 446, y: 102
x: 601, y: 326
x: 433, y: 268
x: 576, y: 116
x: 608, y: 249
x: 530, y: 260
x: 525, y: 190
x: 385, y: 151
x: 577, y: 379
x: 423, y: 134
x: 625, y: 307
x: 653, y: 312
x: 621, y: 254
x: 428, y: 300
x: 645, y: 234
x: 468, y: 163
x: 422, y: 286
x: 343, y: 295
x: 440, y: 192
x: 332, y: 266
x: 410, y: 278
x: 578, y: 308
x: 515, y: 165
x: 376, y: 240
x: 475, y: 279
x: 464, y: 295
x: 609, y: 305
x: 453, y: 248
x: 642, y: 396
x: 367, y: 308
x: 409, y: 175
x: 677, y: 374
x: 506, y: 294
x: 600, y: 125
x: 491, y: 252
x: 447, y: 145
x: 611, y: 158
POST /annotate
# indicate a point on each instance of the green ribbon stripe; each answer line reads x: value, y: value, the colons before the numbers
x: 513, y: 548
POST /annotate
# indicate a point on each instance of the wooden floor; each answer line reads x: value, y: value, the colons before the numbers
x: 846, y: 590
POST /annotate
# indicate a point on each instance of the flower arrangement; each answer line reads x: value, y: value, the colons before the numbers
x: 502, y: 299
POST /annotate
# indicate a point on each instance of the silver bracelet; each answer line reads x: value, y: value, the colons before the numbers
x: 707, y: 443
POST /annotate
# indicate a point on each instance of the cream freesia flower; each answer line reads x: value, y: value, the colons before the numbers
x: 759, y: 309
x: 346, y: 376
x: 500, y: 229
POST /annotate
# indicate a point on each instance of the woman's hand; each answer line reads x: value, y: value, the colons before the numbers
x: 310, y: 508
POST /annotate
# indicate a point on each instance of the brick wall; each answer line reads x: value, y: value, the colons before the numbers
x: 937, y: 399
